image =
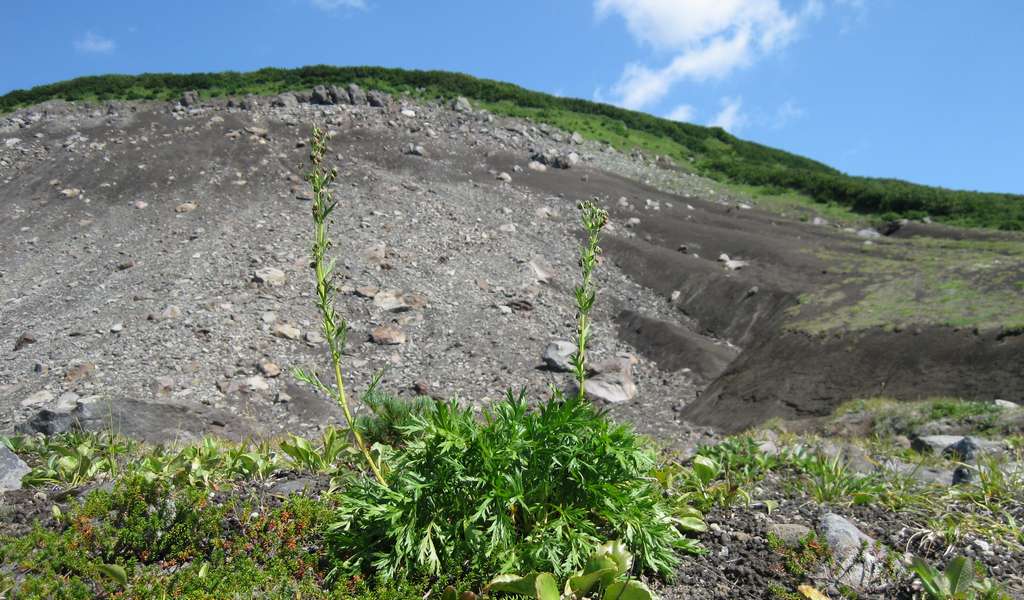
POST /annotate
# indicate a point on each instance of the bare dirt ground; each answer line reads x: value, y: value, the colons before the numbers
x: 135, y: 240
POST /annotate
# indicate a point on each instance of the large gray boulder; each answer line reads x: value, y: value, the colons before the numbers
x: 956, y: 447
x: 286, y: 100
x: 321, y: 95
x: 189, y: 98
x: 859, y: 562
x: 378, y: 99
x: 356, y: 94
x: 12, y: 469
x: 339, y: 95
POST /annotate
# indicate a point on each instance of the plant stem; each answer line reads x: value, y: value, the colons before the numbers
x: 335, y: 328
x: 594, y: 219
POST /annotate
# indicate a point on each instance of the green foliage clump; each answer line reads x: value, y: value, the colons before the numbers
x: 958, y: 581
x: 521, y: 490
x: 605, y: 576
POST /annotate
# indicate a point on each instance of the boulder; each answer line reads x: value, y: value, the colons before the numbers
x: 557, y: 355
x: 956, y: 447
x: 269, y: 276
x: 338, y: 95
x: 462, y: 105
x: 12, y: 469
x: 858, y: 562
x: 611, y: 388
x: 356, y: 94
x: 156, y: 423
x: 789, y: 533
x: 189, y: 98
x: 286, y: 100
x: 378, y: 99
x: 321, y: 95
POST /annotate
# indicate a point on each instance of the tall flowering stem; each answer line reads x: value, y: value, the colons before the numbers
x: 335, y: 327
x: 594, y: 219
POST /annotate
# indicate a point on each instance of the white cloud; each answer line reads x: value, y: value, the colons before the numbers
x: 710, y: 39
x: 95, y: 44
x: 730, y: 118
x: 787, y: 112
x: 336, y: 4
x: 683, y: 112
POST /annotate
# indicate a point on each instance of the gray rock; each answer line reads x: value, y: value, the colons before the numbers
x: 965, y: 450
x: 286, y: 100
x: 576, y: 138
x: 819, y: 221
x: 356, y: 94
x: 962, y: 474
x: 612, y: 386
x: 392, y: 301
x: 269, y: 276
x: 150, y: 422
x: 1005, y: 404
x: 557, y: 355
x: 920, y: 472
x: 856, y: 458
x: 38, y: 399
x: 387, y: 335
x: 415, y: 150
x: 462, y: 105
x: 859, y: 564
x: 286, y: 331
x: 378, y: 99
x: 12, y: 469
x: 189, y: 98
x: 868, y: 233
x: 321, y: 95
x: 952, y: 445
x: 338, y: 95
x: 789, y: 533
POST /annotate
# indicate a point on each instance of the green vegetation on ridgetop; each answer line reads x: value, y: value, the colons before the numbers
x: 708, y: 151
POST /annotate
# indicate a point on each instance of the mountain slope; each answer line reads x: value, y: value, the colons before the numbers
x: 708, y: 151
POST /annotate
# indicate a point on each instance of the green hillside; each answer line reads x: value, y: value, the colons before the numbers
x: 709, y: 151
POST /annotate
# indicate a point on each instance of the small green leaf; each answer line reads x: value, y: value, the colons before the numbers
x: 203, y: 570
x: 449, y: 594
x: 692, y: 524
x: 115, y: 572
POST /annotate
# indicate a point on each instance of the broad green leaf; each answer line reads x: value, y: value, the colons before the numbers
x: 546, y: 587
x: 933, y: 582
x: 580, y: 585
x: 692, y: 524
x: 514, y: 584
x: 960, y: 574
x: 115, y: 572
x: 629, y: 590
x: 706, y: 468
x: 449, y: 594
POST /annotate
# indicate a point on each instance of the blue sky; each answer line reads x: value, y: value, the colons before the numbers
x: 926, y: 91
